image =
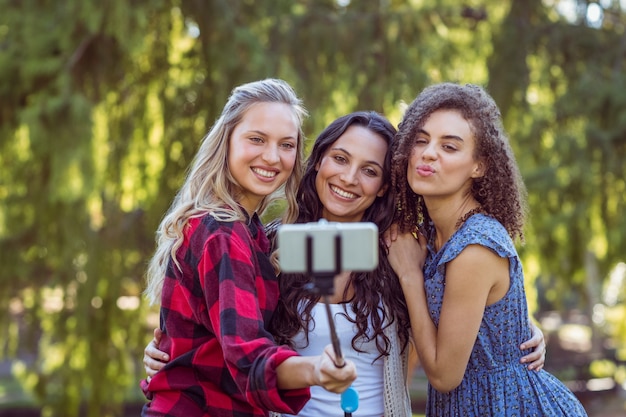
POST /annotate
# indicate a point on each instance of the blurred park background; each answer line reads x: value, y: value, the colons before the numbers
x: 103, y: 104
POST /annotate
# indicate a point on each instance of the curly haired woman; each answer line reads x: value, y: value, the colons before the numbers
x: 456, y: 177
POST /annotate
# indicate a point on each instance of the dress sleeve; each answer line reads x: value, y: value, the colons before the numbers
x: 236, y: 296
x: 479, y: 230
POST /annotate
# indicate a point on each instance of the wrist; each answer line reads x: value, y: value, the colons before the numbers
x: 412, y: 276
x: 297, y: 372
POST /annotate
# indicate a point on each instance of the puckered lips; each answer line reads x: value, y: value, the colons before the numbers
x: 425, y: 170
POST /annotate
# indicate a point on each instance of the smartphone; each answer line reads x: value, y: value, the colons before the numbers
x: 328, y: 247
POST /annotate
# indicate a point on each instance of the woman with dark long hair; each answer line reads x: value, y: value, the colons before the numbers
x: 347, y: 179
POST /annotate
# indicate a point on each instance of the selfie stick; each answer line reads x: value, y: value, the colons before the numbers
x: 324, y: 284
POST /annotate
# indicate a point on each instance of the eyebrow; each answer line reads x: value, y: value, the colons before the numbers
x: 349, y: 154
x: 455, y: 137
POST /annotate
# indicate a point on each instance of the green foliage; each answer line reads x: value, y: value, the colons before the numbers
x: 103, y: 106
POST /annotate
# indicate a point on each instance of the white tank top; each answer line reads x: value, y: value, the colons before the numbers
x: 369, y: 383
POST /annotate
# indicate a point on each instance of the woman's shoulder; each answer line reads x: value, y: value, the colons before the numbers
x: 203, y: 228
x: 483, y: 230
x: 482, y: 225
x: 209, y: 228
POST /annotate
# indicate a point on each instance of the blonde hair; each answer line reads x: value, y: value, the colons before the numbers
x: 210, y: 187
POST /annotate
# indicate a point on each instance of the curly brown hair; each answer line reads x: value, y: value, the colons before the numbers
x: 500, y: 191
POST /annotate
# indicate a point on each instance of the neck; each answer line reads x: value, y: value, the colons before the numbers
x: 448, y: 216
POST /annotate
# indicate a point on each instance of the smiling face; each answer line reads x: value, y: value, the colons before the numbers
x: 262, y: 151
x: 442, y: 160
x: 350, y: 174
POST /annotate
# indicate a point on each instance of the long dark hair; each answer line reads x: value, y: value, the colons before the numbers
x: 378, y: 300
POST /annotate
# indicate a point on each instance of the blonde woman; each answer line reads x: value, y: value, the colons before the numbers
x: 212, y: 274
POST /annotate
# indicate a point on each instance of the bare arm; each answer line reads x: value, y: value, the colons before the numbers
x: 295, y: 372
x: 444, y: 351
x: 305, y: 371
x: 535, y: 359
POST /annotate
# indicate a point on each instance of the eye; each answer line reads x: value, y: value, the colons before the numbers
x: 370, y: 172
x: 256, y: 139
x: 340, y: 159
x: 449, y: 147
x: 288, y: 145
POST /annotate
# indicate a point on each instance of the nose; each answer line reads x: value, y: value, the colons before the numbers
x: 429, y: 151
x: 349, y: 176
x: 270, y: 154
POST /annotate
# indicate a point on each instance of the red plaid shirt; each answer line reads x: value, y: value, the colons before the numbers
x: 213, y: 315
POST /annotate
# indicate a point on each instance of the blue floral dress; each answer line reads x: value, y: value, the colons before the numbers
x: 495, y: 382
